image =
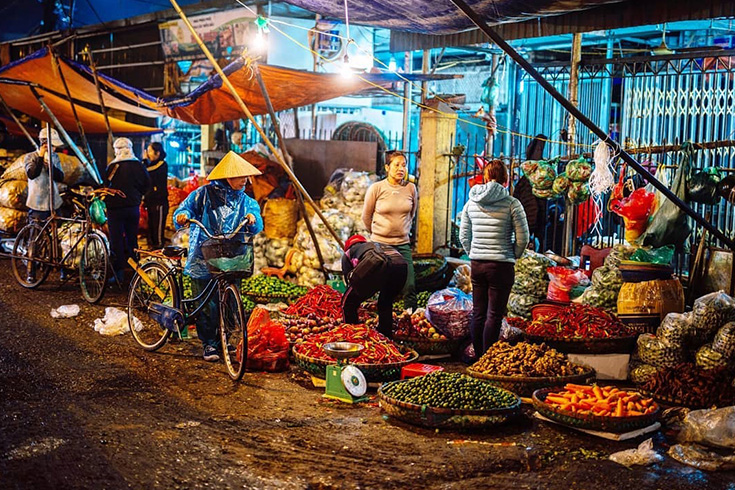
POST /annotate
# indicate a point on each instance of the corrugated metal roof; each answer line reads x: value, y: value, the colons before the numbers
x: 628, y: 14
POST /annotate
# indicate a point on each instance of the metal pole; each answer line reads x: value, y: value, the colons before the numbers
x: 502, y: 44
x: 279, y: 135
x: 92, y: 169
x: 571, y: 209
x: 249, y: 115
x: 407, y: 61
x: 87, y: 150
x: 50, y: 153
x: 88, y: 52
x: 17, y: 121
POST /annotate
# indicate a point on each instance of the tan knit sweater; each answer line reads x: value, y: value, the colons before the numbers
x: 389, y: 211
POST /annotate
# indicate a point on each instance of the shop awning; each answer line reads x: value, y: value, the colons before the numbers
x: 440, y: 16
x: 39, y: 71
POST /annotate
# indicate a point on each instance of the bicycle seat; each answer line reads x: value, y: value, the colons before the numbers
x: 173, y: 252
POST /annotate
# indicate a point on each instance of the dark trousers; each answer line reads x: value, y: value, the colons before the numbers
x: 208, y: 320
x: 123, y: 226
x: 156, y: 225
x: 389, y: 283
x: 491, y: 283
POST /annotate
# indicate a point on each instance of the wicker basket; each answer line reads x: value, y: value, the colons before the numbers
x: 429, y: 347
x: 610, y: 345
x: 271, y: 299
x: 525, y: 386
x: 672, y: 401
x: 445, y: 418
x: 374, y: 373
x: 592, y: 422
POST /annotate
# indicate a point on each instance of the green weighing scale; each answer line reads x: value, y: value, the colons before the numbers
x: 345, y: 382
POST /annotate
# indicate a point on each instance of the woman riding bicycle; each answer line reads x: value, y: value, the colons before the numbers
x: 220, y: 206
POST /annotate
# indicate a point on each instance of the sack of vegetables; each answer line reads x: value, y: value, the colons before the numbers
x: 543, y: 177
x: 578, y: 170
x: 449, y: 311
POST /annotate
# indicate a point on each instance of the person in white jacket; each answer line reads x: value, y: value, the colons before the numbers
x: 494, y: 233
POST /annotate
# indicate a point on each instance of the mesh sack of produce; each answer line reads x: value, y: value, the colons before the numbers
x: 542, y: 177
x: 650, y: 297
x: 520, y: 304
x: 280, y: 216
x: 706, y: 358
x: 13, y: 194
x: 713, y: 310
x: 309, y: 277
x: 276, y: 250
x: 462, y: 279
x: 724, y: 341
x: 674, y: 328
x: 561, y: 184
x: 642, y: 373
x: 16, y: 170
x: 658, y: 353
x: 70, y: 234
x: 297, y: 260
x: 12, y: 220
x: 544, y: 193
x: 355, y: 185
x: 449, y: 311
x: 268, y: 346
x: 532, y: 263
x: 75, y: 172
x: 578, y: 170
x: 340, y: 223
x: 618, y: 253
x: 578, y: 192
x: 528, y: 167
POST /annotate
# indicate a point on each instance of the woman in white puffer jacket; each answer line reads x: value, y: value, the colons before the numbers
x: 494, y: 233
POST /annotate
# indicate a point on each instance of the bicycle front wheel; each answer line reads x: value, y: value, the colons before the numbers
x: 233, y: 332
x: 148, y: 332
x: 93, y: 268
x: 31, y: 256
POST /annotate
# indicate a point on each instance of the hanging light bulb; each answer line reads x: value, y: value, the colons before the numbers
x: 392, y: 66
x: 260, y: 41
x: 346, y: 69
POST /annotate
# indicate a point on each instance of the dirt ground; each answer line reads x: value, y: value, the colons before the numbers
x: 81, y: 410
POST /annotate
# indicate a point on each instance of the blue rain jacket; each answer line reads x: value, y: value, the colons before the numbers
x: 220, y: 209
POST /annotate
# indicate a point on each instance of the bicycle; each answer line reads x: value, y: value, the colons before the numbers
x: 38, y: 248
x: 157, y: 307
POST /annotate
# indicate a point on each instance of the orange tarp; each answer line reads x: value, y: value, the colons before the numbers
x: 40, y: 69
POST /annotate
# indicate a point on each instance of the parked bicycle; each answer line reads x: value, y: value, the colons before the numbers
x: 56, y: 242
x: 157, y: 307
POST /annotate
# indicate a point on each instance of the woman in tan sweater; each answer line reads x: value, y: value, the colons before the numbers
x: 390, y: 206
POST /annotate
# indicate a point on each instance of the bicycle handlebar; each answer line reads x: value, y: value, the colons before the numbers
x: 225, y: 236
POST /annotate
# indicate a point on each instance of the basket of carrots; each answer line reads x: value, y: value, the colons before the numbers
x: 596, y: 407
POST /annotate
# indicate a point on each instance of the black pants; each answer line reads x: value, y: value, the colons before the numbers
x: 156, y: 224
x: 123, y: 226
x: 390, y: 282
x: 491, y: 283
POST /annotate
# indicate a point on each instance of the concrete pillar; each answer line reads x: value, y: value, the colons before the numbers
x: 437, y: 140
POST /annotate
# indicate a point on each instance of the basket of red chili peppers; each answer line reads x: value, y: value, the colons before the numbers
x: 582, y: 329
x: 380, y: 360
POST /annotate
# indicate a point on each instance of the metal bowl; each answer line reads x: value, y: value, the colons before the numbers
x: 342, y: 350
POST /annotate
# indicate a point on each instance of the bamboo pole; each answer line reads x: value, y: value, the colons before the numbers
x: 287, y: 156
x: 571, y: 209
x: 17, y: 121
x: 246, y: 111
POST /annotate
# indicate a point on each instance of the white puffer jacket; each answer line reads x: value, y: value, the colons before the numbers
x: 494, y: 225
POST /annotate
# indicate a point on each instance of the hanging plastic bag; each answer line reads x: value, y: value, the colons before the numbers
x: 726, y: 189
x: 669, y: 224
x: 578, y: 170
x: 636, y: 211
x: 702, y: 186
x: 543, y: 176
x: 449, y: 311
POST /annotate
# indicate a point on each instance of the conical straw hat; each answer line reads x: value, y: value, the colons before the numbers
x: 231, y: 166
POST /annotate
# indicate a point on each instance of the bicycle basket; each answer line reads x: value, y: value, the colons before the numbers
x: 98, y: 211
x: 228, y: 255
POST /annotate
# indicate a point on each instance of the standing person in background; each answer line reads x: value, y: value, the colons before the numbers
x: 390, y: 206
x: 534, y: 207
x: 156, y: 200
x: 491, y: 220
x: 127, y: 174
